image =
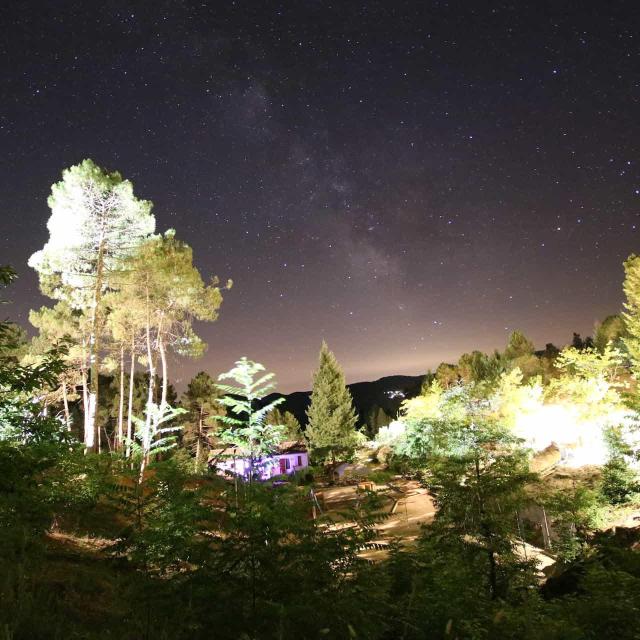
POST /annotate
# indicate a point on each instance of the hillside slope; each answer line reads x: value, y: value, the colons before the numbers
x: 386, y: 393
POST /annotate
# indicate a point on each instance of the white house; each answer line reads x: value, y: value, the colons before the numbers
x: 290, y: 457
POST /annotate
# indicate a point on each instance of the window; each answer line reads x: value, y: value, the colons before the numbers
x: 299, y: 461
x: 287, y: 464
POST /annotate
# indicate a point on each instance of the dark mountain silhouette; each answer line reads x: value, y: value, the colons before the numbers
x: 386, y: 393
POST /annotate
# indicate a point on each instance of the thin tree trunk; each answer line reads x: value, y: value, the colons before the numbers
x: 197, y: 461
x: 88, y: 429
x: 65, y: 399
x: 95, y: 344
x: 493, y: 569
x: 198, y: 440
x: 130, y: 404
x: 165, y: 383
x: 121, y: 402
x: 91, y: 409
x: 146, y: 443
x: 86, y: 402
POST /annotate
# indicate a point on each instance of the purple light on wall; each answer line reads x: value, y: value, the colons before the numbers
x: 268, y: 467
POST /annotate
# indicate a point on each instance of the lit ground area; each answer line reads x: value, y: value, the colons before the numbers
x: 409, y: 506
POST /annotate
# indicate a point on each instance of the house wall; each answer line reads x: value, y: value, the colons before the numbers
x: 296, y: 461
x: 270, y: 467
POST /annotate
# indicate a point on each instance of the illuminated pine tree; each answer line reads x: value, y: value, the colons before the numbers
x: 163, y: 288
x: 631, y: 315
x: 332, y: 418
x: 248, y: 427
x: 95, y: 221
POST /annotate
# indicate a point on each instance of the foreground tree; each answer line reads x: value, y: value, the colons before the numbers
x: 479, y: 480
x: 332, y: 418
x: 201, y: 401
x: 166, y: 293
x: 247, y: 426
x: 95, y: 222
x: 477, y: 472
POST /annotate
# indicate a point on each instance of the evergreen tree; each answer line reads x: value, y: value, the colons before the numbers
x: 520, y: 353
x: 332, y: 418
x: 292, y: 429
x: 167, y: 292
x: 631, y: 314
x: 202, y: 403
x: 611, y: 329
x: 248, y: 427
x: 477, y: 472
x: 518, y: 346
x: 95, y: 221
x: 377, y: 419
x: 478, y: 367
x: 446, y: 374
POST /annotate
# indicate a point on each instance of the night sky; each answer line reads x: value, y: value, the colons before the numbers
x: 408, y: 180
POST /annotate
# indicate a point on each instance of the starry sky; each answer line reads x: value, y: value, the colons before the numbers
x: 407, y: 180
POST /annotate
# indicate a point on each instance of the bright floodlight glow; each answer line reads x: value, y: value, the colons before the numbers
x: 391, y: 433
x: 580, y: 439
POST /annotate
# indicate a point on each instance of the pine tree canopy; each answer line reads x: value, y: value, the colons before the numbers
x: 332, y: 418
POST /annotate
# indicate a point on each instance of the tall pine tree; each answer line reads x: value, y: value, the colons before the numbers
x: 631, y: 314
x: 96, y: 221
x: 332, y: 418
x: 202, y: 403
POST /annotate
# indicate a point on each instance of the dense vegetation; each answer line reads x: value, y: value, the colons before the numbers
x: 113, y: 525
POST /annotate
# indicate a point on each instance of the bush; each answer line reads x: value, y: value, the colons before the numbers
x: 619, y: 482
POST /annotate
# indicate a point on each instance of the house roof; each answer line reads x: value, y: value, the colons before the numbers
x: 292, y: 446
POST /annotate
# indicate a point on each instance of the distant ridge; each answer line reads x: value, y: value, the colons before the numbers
x: 386, y: 393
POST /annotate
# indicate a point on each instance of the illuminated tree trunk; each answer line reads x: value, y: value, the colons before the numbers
x: 65, y: 400
x: 198, y: 444
x: 94, y: 344
x: 493, y: 573
x: 88, y: 431
x: 130, y: 404
x: 150, y: 415
x: 121, y: 400
x: 165, y: 383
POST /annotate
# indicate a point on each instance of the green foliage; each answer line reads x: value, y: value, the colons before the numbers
x: 575, y: 515
x: 612, y: 331
x: 631, y: 314
x: 159, y: 285
x: 620, y: 483
x: 332, y: 418
x: 377, y: 419
x: 92, y: 212
x: 285, y: 574
x: 172, y: 551
x: 447, y: 375
x: 518, y: 346
x: 95, y: 222
x: 477, y: 367
x: 151, y: 438
x: 247, y: 426
x: 201, y: 402
x: 292, y: 429
x: 165, y: 515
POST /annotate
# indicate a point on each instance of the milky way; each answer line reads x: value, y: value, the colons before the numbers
x: 408, y: 180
